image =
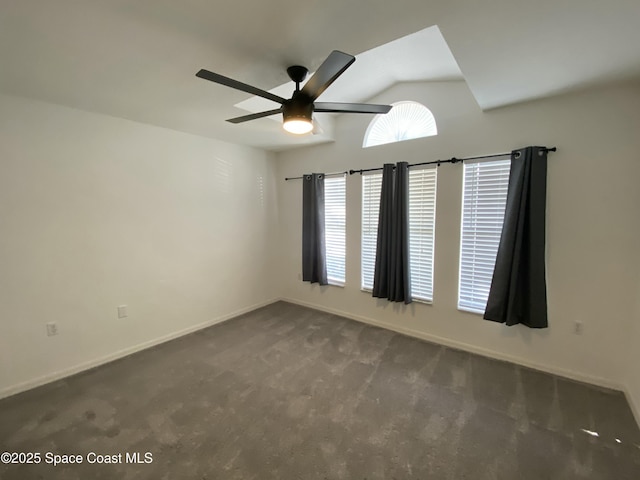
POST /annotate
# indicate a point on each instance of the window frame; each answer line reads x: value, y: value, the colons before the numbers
x: 369, y: 229
x: 369, y: 200
x: 496, y: 179
x: 430, y: 170
x: 337, y: 224
x: 407, y: 120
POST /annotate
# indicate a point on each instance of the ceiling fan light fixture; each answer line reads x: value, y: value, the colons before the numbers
x: 297, y: 117
x: 298, y: 126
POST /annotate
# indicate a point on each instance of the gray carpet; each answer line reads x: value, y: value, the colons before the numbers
x: 287, y: 392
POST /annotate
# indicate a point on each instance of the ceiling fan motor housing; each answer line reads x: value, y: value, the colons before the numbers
x: 300, y: 107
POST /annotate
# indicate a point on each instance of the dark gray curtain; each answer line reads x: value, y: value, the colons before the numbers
x: 314, y: 265
x: 518, y: 290
x: 391, y: 278
x: 385, y: 225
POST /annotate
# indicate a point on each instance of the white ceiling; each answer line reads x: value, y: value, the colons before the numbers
x: 137, y: 59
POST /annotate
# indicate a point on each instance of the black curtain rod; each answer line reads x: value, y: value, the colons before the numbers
x: 336, y: 174
x: 438, y: 162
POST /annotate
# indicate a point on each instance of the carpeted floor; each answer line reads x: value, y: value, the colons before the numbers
x: 287, y: 392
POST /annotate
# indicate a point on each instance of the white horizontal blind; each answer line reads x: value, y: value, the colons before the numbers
x: 483, y: 205
x: 335, y: 228
x: 422, y: 218
x: 371, y: 188
x: 405, y: 121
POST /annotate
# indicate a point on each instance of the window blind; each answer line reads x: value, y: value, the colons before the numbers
x: 422, y: 217
x: 371, y: 188
x: 335, y: 228
x: 483, y: 203
x: 405, y: 121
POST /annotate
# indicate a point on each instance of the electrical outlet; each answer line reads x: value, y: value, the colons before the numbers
x: 52, y: 329
x: 578, y: 327
x: 122, y: 311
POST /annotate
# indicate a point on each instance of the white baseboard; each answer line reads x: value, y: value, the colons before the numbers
x: 581, y: 377
x: 52, y: 377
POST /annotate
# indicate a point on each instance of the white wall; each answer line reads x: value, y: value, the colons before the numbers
x: 97, y: 212
x: 592, y: 220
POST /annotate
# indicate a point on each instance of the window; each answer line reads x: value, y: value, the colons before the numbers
x: 335, y: 228
x: 422, y: 218
x: 483, y: 204
x: 405, y: 121
x: 422, y: 209
x: 371, y: 188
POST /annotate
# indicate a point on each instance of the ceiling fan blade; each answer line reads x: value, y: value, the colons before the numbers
x: 336, y: 107
x: 254, y: 116
x: 334, y: 66
x: 230, y: 82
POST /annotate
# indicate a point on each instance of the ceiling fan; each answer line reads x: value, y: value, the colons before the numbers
x: 297, y: 111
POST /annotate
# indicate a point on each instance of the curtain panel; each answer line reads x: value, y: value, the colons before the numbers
x: 314, y: 264
x: 392, y: 276
x: 518, y: 291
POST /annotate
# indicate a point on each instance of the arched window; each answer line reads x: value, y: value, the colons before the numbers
x: 405, y: 121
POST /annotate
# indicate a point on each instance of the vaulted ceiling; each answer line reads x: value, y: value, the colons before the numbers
x: 137, y: 59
